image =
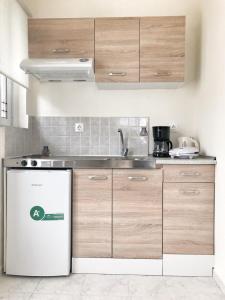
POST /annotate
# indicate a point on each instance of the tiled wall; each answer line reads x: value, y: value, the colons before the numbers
x: 100, y: 136
x: 18, y: 141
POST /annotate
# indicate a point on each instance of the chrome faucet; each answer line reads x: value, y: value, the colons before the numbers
x: 124, y: 150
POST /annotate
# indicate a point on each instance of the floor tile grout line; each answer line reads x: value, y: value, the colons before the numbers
x: 36, y: 287
x: 82, y: 294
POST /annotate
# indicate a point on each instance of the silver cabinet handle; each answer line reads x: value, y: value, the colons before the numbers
x: 61, y: 50
x: 162, y: 73
x: 117, y: 74
x: 98, y: 177
x: 189, y: 174
x: 190, y: 192
x: 137, y: 178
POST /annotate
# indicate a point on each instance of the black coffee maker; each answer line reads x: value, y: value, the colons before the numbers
x: 162, y: 143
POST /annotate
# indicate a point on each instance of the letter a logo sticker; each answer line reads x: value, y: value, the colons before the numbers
x: 36, y: 213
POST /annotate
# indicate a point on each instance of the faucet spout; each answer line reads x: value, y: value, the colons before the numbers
x: 124, y: 149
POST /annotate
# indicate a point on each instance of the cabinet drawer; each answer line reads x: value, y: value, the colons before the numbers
x: 189, y: 173
x: 59, y: 38
x: 188, y: 218
x: 92, y: 213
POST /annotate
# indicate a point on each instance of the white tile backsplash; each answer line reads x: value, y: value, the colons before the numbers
x: 100, y: 136
x: 19, y: 141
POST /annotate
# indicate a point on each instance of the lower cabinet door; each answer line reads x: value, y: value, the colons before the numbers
x: 188, y: 218
x: 137, y: 214
x: 92, y: 213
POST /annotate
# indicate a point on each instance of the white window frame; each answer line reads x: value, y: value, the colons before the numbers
x: 8, y: 120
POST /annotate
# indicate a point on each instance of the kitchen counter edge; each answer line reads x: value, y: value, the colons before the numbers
x: 201, y: 160
x: 147, y: 162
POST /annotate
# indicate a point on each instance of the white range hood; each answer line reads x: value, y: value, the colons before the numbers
x: 57, y: 69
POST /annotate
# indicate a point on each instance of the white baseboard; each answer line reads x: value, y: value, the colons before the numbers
x: 171, y: 265
x: 117, y: 266
x: 188, y: 265
x: 219, y: 281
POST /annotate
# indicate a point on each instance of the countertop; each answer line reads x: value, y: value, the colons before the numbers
x: 102, y: 162
x: 201, y: 160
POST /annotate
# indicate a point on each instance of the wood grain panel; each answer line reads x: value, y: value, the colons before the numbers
x: 137, y: 214
x: 189, y: 173
x: 117, y: 49
x: 92, y: 214
x: 162, y: 49
x: 188, y: 218
x: 76, y: 36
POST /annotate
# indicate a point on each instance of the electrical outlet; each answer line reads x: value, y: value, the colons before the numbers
x: 173, y: 126
x: 79, y: 127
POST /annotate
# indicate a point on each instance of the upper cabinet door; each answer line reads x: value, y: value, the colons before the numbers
x: 57, y: 38
x: 162, y: 49
x: 117, y: 49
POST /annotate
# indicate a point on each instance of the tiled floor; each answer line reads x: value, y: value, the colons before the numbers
x: 109, y: 287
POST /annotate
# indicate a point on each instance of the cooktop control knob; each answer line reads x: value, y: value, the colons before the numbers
x: 23, y: 163
x: 33, y: 163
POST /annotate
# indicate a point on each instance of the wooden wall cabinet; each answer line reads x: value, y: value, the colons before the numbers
x: 58, y: 38
x: 125, y: 50
x: 92, y: 213
x: 137, y: 214
x: 117, y: 49
x: 162, y: 49
x: 188, y: 210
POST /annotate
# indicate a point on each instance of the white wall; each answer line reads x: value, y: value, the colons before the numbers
x: 163, y: 106
x: 13, y: 35
x: 2, y: 155
x: 98, y: 8
x: 211, y: 110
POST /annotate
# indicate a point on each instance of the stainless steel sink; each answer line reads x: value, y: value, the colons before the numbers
x: 130, y: 157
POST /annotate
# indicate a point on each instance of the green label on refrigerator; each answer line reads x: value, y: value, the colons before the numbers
x: 53, y: 217
x: 37, y: 213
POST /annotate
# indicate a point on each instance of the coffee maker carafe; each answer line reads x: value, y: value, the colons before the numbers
x: 162, y: 143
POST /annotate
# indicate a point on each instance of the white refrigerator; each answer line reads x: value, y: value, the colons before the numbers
x: 38, y: 222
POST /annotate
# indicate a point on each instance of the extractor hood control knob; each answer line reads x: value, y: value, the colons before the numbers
x: 23, y: 163
x: 34, y: 163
